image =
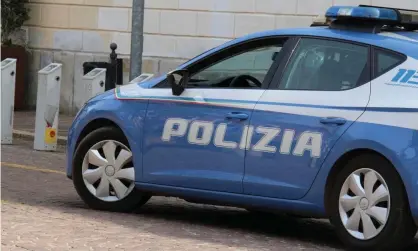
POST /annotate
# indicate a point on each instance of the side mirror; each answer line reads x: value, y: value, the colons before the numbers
x: 178, y: 80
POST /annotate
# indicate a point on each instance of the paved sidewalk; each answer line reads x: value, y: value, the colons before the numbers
x: 24, y: 124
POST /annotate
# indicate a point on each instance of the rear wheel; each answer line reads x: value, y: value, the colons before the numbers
x: 103, y: 172
x: 369, y: 207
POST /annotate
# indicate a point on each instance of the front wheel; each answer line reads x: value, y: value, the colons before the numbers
x: 104, y: 174
x: 369, y: 207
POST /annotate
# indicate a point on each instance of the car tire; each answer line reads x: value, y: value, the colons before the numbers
x: 397, y: 228
x: 85, y: 185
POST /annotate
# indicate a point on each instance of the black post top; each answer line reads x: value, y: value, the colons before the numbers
x: 113, y: 46
x: 113, y: 55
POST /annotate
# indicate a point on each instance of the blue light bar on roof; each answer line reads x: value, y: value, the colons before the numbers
x: 374, y: 13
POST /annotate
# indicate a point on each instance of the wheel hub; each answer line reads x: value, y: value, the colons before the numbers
x: 364, y: 204
x: 110, y: 170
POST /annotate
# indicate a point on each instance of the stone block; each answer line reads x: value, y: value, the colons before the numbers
x: 130, y: 20
x: 276, y: 6
x: 96, y: 41
x: 317, y: 7
x: 157, y: 45
x: 404, y: 4
x: 178, y: 22
x: 207, y: 5
x: 116, y: 19
x: 189, y: 47
x: 118, y: 3
x: 293, y: 21
x: 54, y: 16
x: 152, y: 21
x: 83, y: 17
x: 40, y: 37
x: 210, y: 24
x: 68, y: 40
x: 162, y: 4
x: 250, y: 23
x: 235, y: 6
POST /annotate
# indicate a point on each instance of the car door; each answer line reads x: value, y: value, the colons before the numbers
x: 197, y: 139
x: 315, y: 97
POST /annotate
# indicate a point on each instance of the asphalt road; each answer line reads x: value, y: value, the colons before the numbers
x: 42, y: 211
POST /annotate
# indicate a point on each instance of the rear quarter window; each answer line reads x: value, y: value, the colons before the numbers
x: 385, y: 61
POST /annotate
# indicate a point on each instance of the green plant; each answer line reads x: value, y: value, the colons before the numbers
x: 13, y: 15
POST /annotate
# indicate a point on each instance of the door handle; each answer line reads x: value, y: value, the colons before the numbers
x: 333, y: 121
x: 237, y: 115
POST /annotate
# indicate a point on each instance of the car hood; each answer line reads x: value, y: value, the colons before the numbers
x: 111, y: 93
x: 152, y: 82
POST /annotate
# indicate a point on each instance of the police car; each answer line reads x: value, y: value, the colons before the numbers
x: 319, y: 122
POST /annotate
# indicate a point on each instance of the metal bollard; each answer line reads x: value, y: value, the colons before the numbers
x: 47, y: 107
x: 8, y: 79
x: 94, y: 82
x: 142, y: 78
x: 112, y: 78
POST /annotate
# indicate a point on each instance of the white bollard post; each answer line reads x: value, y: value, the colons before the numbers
x: 94, y: 82
x: 47, y: 107
x: 8, y: 79
x: 141, y: 78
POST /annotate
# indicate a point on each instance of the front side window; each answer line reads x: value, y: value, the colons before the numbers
x: 326, y: 65
x: 247, y: 69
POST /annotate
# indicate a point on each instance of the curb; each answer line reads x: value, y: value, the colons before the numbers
x: 62, y: 140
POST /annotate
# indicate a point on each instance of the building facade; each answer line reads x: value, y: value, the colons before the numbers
x: 72, y: 32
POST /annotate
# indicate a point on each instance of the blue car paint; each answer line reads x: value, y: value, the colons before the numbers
x: 287, y: 176
x: 412, y: 35
x: 179, y: 163
x: 130, y: 118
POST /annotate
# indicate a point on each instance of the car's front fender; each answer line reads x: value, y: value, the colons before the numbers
x: 128, y: 115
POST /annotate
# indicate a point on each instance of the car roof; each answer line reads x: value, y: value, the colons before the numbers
x: 405, y: 42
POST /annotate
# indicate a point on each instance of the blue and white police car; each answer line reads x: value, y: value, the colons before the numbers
x: 317, y: 122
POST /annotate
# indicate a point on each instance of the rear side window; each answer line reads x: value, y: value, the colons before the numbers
x: 326, y: 65
x: 386, y: 61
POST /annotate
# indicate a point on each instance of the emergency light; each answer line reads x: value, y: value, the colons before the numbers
x: 372, y: 13
x: 367, y: 15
